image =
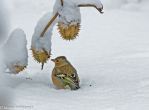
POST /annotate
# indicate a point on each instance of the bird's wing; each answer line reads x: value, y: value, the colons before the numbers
x: 71, y: 80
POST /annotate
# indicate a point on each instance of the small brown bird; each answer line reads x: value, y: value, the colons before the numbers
x: 64, y: 75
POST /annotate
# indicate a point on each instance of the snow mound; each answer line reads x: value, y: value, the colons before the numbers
x: 39, y: 42
x: 15, y: 51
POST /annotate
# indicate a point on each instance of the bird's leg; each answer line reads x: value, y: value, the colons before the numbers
x: 88, y: 5
x: 42, y: 34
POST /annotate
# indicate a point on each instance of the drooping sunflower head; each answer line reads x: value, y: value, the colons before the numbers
x: 41, y: 56
x: 68, y: 32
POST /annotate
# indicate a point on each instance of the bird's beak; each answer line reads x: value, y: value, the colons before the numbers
x: 53, y: 60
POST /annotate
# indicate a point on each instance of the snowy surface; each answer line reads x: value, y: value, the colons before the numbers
x: 111, y: 54
x: 15, y: 50
x: 38, y: 42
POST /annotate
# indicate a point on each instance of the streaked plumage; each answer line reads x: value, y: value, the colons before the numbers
x: 64, y: 75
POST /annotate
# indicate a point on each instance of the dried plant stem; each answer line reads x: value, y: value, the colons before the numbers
x: 62, y: 2
x: 88, y: 5
x: 49, y: 24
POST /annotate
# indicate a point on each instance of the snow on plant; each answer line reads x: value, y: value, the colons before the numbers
x: 68, y: 25
x: 41, y: 46
x: 15, y: 51
x: 70, y: 17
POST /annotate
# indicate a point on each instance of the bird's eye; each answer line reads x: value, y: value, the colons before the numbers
x: 57, y: 60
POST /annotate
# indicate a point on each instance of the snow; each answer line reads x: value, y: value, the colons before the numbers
x: 3, y: 23
x: 57, y: 6
x: 15, y: 51
x: 39, y: 42
x: 5, y: 93
x: 74, y: 3
x: 129, y: 5
x: 97, y: 3
x: 84, y: 2
x: 69, y: 13
x: 111, y: 56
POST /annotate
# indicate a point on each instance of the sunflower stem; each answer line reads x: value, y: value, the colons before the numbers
x: 62, y: 2
x: 42, y: 34
x: 88, y: 5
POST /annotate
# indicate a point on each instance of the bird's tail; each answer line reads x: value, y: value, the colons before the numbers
x: 70, y: 80
x: 74, y: 87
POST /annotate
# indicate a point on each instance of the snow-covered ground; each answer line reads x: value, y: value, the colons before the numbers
x: 111, y: 56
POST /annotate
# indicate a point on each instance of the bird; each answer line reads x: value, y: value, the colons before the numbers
x: 64, y: 75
